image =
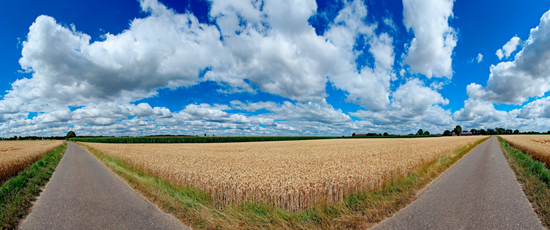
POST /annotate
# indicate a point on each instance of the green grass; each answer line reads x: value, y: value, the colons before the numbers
x: 361, y: 210
x: 187, y: 139
x: 534, y: 178
x: 17, y: 193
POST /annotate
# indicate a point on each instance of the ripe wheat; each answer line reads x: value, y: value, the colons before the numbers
x: 16, y: 155
x: 292, y: 175
x: 537, y: 146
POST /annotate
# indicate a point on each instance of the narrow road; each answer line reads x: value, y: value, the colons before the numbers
x: 84, y: 194
x: 478, y: 192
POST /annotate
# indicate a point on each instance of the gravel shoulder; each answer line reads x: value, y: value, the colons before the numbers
x: 84, y: 194
x: 479, y: 192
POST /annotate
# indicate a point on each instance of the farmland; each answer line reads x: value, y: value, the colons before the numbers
x: 196, y: 139
x: 291, y: 175
x: 537, y: 146
x: 16, y: 155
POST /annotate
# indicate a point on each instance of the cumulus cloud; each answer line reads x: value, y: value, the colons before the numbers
x: 528, y: 75
x: 477, y: 113
x: 430, y: 51
x: 509, y: 47
x: 413, y: 105
x: 247, y: 46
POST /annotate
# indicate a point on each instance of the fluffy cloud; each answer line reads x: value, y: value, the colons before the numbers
x: 247, y: 47
x: 430, y: 51
x: 413, y: 105
x: 477, y: 113
x: 528, y: 75
x: 509, y: 47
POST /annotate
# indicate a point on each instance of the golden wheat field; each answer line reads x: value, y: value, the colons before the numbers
x: 292, y: 175
x: 16, y: 155
x: 537, y: 146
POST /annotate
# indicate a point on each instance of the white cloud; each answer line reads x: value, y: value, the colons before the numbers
x: 413, y: 105
x: 267, y: 46
x: 430, y: 51
x: 500, y: 54
x: 479, y: 58
x: 528, y: 75
x: 477, y: 113
x: 509, y: 47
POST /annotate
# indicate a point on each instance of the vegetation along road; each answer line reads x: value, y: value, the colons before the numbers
x: 84, y: 194
x: 478, y: 192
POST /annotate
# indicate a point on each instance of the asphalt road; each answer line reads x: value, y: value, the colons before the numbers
x: 84, y: 194
x: 479, y: 192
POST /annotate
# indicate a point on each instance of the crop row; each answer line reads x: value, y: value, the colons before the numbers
x: 292, y: 175
x: 16, y: 155
x: 537, y: 146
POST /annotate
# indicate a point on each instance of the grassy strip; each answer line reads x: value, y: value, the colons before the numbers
x: 187, y: 139
x: 359, y: 211
x: 534, y: 178
x: 17, y: 193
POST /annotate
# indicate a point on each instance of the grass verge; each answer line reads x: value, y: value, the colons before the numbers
x: 17, y: 193
x: 534, y: 178
x: 361, y: 210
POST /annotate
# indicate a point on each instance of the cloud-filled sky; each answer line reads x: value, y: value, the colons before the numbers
x: 284, y: 67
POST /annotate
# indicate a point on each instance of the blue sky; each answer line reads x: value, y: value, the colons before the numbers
x: 298, y: 67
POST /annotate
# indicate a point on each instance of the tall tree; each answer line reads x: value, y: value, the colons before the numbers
x: 71, y: 134
x: 458, y: 130
x: 420, y: 132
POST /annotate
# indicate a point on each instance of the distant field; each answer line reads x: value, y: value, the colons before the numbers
x: 16, y: 155
x: 292, y: 175
x: 537, y: 146
x: 187, y: 139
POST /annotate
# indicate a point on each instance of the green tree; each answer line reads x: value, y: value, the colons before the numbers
x: 474, y: 131
x: 386, y: 134
x: 482, y: 132
x: 427, y: 133
x: 420, y: 132
x: 458, y: 130
x: 446, y: 133
x: 71, y: 134
x: 516, y: 131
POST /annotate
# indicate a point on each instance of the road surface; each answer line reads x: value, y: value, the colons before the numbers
x: 478, y: 192
x: 84, y: 194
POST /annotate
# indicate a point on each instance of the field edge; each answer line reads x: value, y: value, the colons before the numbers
x: 361, y: 210
x: 534, y: 178
x: 18, y: 192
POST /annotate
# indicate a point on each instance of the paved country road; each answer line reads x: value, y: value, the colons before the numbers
x: 84, y: 194
x: 479, y: 192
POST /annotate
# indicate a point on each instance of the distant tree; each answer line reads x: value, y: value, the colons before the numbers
x: 205, y: 134
x: 516, y: 131
x: 491, y: 132
x: 458, y: 130
x: 446, y: 133
x: 474, y: 131
x: 420, y: 132
x: 482, y: 132
x: 353, y: 134
x: 71, y: 134
x: 427, y: 133
x: 386, y: 134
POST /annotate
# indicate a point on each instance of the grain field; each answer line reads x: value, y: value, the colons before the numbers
x: 292, y: 175
x: 537, y: 146
x: 16, y: 155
